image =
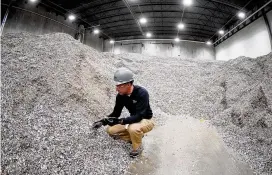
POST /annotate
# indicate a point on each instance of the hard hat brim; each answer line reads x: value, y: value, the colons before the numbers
x: 119, y: 83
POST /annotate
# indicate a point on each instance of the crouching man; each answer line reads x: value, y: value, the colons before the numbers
x: 136, y: 100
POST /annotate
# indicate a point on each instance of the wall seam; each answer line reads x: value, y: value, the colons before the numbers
x: 268, y: 28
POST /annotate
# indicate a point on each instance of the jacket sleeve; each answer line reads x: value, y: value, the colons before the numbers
x: 141, y: 107
x: 117, y: 108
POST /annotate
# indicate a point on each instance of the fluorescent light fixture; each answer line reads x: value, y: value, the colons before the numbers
x: 181, y: 26
x: 221, y: 32
x: 143, y: 20
x: 187, y: 2
x: 111, y: 41
x: 177, y: 39
x: 71, y: 17
x: 209, y: 43
x: 241, y: 15
x: 33, y: 1
x: 148, y: 34
x: 96, y: 31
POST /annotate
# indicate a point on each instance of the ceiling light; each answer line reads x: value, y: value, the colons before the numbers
x: 177, y: 39
x: 143, y: 20
x: 209, y: 43
x: 71, y: 17
x: 111, y: 41
x: 241, y: 15
x: 148, y: 34
x: 187, y: 2
x: 33, y: 0
x: 96, y: 31
x: 181, y: 26
x: 221, y: 32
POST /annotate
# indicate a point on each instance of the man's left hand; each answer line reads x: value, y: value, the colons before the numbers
x: 113, y: 121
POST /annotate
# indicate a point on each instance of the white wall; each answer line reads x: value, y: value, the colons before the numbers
x: 167, y: 48
x: 252, y: 41
x: 24, y: 21
x: 28, y: 20
x: 93, y: 40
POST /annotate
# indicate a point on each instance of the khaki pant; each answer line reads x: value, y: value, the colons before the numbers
x: 133, y: 133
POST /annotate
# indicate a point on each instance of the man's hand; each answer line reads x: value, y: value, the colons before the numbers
x: 97, y: 124
x: 113, y: 121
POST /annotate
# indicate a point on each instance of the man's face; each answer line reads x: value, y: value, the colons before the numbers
x: 123, y: 89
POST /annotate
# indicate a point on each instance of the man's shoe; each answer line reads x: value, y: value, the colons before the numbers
x: 135, y: 153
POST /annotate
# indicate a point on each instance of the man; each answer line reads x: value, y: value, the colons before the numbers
x: 136, y: 100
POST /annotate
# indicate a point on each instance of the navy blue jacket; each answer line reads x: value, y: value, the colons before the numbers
x: 137, y: 104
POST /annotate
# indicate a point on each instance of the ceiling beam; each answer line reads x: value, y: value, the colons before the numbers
x: 159, y: 12
x: 163, y: 35
x: 93, y: 5
x: 227, y: 4
x: 158, y: 32
x: 132, y: 14
x: 119, y: 8
x: 178, y: 19
x: 170, y: 28
x: 165, y: 22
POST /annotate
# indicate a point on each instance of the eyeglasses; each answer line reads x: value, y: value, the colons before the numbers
x: 121, y: 85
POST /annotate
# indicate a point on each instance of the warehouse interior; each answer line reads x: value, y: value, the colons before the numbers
x: 207, y: 66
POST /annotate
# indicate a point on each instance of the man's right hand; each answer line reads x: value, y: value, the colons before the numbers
x: 111, y: 121
x: 97, y: 124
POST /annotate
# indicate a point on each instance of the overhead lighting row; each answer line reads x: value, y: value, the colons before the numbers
x: 144, y: 20
x: 241, y: 15
x: 181, y: 25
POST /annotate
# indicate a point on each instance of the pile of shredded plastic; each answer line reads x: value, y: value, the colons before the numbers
x: 53, y: 88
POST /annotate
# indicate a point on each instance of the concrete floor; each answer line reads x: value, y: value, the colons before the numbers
x: 186, y: 146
